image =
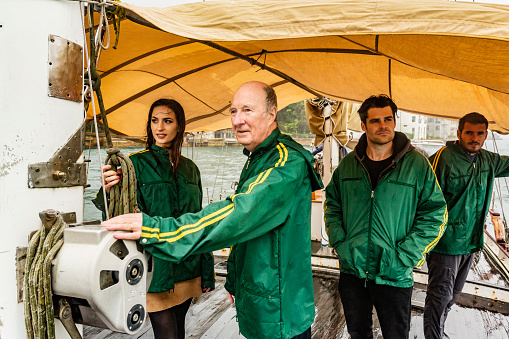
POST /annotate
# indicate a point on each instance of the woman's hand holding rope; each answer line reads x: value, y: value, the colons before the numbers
x: 110, y: 177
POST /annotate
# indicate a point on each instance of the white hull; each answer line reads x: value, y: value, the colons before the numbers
x: 33, y: 128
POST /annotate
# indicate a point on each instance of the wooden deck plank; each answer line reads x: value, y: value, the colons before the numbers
x: 211, y: 316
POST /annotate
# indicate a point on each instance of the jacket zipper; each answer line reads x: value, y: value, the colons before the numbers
x: 177, y: 187
x: 369, y: 236
x: 371, y: 215
x: 370, y: 219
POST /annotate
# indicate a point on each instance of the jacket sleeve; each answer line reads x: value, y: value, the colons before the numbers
x: 99, y: 202
x: 230, y: 267
x: 200, y: 187
x: 333, y: 213
x: 208, y: 275
x: 263, y: 204
x: 501, y: 165
x: 429, y: 222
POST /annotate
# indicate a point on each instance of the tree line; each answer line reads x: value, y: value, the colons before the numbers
x: 292, y: 120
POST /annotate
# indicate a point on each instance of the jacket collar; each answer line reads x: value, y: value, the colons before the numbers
x: 267, y: 143
x: 402, y: 145
x: 160, y: 152
x: 455, y: 145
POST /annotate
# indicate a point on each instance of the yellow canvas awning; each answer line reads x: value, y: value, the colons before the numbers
x: 438, y: 58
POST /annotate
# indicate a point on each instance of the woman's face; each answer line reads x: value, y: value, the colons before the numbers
x: 164, y: 126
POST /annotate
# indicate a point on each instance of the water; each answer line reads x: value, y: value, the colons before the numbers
x: 501, y: 195
x: 220, y: 168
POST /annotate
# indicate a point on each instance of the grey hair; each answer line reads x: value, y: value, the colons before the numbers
x: 270, y: 99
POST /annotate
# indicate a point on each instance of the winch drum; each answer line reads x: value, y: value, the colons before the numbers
x: 111, y: 275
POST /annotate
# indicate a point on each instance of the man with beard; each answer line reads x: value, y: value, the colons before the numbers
x: 384, y: 211
x: 465, y: 173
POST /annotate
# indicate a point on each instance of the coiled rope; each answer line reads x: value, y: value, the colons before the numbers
x: 122, y: 195
x: 42, y: 249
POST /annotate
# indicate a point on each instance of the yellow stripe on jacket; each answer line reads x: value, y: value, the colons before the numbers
x: 435, y: 161
x: 445, y: 216
x: 435, y: 241
x: 218, y: 215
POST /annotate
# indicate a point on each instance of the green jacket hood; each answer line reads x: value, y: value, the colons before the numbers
x: 267, y: 144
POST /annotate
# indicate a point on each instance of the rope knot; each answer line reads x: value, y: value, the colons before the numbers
x: 113, y: 150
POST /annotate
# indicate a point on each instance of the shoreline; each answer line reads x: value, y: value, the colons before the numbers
x: 122, y: 142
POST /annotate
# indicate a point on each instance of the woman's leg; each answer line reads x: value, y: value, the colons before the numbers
x: 170, y: 323
x: 180, y: 315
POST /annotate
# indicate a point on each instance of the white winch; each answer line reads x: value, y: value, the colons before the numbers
x: 105, y: 280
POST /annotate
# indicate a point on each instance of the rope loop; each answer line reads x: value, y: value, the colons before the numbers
x: 103, y: 25
x: 42, y: 249
x: 123, y: 197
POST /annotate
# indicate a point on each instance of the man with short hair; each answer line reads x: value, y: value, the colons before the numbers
x: 465, y: 173
x: 384, y: 211
x: 267, y: 220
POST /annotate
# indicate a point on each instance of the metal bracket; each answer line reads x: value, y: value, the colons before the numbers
x: 65, y: 62
x: 61, y: 170
x: 65, y: 316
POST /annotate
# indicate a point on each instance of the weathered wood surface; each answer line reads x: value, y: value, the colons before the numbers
x: 211, y: 316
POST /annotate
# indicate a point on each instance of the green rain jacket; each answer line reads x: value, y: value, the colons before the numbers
x: 467, y: 187
x: 160, y: 195
x: 268, y: 220
x: 381, y: 234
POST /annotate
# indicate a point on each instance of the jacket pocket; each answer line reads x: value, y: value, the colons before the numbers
x: 456, y: 232
x: 350, y: 179
x: 392, y: 270
x: 397, y: 182
x: 257, y: 312
x: 163, y: 277
x: 455, y: 184
x: 350, y: 258
x: 188, y: 182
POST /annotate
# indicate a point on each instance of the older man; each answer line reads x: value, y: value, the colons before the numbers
x: 267, y: 221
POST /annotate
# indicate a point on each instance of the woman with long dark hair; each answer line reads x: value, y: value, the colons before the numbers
x: 169, y: 185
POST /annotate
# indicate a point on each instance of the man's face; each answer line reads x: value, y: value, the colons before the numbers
x: 472, y: 137
x: 250, y: 125
x: 379, y: 126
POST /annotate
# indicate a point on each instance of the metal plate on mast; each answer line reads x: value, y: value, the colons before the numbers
x: 61, y: 170
x: 65, y: 63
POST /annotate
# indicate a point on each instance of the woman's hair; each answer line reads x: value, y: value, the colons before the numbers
x: 176, y: 144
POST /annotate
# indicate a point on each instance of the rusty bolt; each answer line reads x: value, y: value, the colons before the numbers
x: 57, y: 175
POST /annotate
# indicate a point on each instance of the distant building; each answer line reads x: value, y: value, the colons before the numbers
x: 225, y: 133
x: 441, y: 128
x: 413, y: 125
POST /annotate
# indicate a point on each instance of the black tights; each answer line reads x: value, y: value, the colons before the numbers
x: 170, y: 323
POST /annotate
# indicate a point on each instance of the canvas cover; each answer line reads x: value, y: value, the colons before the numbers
x: 438, y: 58
x: 344, y: 117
